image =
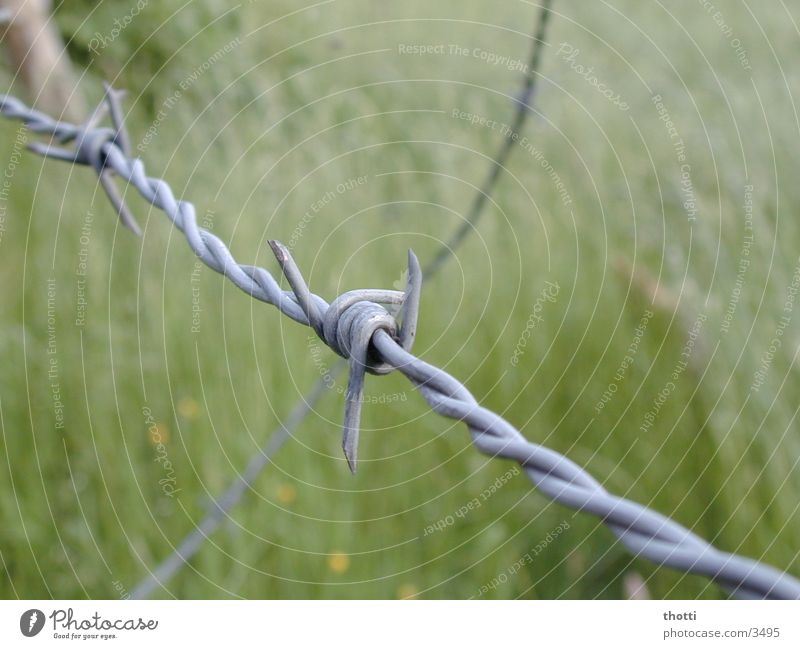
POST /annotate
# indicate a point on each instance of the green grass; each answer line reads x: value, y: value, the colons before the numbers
x: 306, y: 102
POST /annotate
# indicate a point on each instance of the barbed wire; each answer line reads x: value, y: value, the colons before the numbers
x: 260, y: 460
x: 358, y: 327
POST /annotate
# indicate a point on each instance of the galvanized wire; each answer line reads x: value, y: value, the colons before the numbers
x: 221, y: 507
x: 524, y: 100
x: 357, y: 327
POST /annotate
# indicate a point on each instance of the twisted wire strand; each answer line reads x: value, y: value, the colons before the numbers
x: 98, y: 148
x: 644, y: 532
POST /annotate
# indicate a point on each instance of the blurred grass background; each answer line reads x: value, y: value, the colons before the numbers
x: 307, y: 98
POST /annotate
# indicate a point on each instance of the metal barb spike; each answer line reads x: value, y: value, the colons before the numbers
x: 351, y: 427
x: 299, y: 286
x: 358, y: 365
x: 125, y: 215
x: 112, y: 104
x: 409, y: 312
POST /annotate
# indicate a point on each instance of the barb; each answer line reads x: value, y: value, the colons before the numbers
x: 89, y: 140
x: 359, y: 328
x: 347, y: 327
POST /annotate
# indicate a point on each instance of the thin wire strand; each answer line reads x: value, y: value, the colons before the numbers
x: 220, y: 509
x: 524, y: 101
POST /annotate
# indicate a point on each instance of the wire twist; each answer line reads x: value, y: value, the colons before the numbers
x: 357, y: 327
